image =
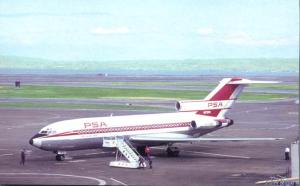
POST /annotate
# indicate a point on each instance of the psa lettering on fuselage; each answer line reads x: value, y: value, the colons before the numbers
x: 93, y: 125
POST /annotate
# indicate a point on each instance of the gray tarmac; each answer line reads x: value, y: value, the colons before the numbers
x: 205, y: 163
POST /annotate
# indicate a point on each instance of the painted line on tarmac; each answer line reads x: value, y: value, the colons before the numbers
x: 60, y: 163
x: 215, y: 154
x: 274, y: 128
x: 6, y: 154
x: 119, y: 182
x: 293, y: 113
x: 256, y: 110
x: 100, y: 182
x: 95, y: 153
x: 207, y: 153
x: 77, y: 161
x: 288, y: 127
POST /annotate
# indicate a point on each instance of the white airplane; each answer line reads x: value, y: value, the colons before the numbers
x: 194, y: 118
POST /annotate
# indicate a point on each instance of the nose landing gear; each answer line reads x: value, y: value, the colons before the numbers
x: 60, y: 156
x: 172, y: 151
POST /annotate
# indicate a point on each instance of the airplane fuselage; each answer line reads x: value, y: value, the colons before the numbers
x: 88, y: 133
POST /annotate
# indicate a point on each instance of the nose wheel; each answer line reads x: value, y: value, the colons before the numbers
x: 60, y: 156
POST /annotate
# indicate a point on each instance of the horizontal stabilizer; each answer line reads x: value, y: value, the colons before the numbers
x: 247, y: 81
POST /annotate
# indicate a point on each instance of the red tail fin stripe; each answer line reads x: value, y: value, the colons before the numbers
x: 224, y: 93
x: 236, y: 79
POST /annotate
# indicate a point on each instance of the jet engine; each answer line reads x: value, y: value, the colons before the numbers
x: 194, y: 105
x: 211, y: 124
x: 226, y: 122
x: 187, y: 106
x: 197, y: 124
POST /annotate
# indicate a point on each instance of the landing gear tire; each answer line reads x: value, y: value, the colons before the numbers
x: 173, y: 152
x: 60, y: 157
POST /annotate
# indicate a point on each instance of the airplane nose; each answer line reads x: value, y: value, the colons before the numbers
x: 31, y: 141
x: 35, y: 141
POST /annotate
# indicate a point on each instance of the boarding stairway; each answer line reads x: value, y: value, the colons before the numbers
x: 124, y: 149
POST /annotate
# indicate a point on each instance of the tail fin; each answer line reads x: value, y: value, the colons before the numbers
x: 226, y: 90
x: 220, y: 100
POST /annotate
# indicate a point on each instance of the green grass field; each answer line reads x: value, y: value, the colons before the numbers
x: 208, y: 85
x: 160, y: 83
x: 80, y: 106
x: 96, y: 93
x: 275, y: 86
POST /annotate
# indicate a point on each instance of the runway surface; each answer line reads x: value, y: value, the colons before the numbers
x: 205, y: 163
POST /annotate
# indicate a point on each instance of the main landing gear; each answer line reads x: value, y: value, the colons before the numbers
x: 60, y: 156
x: 172, y: 151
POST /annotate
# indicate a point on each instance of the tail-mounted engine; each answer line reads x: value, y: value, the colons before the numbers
x: 226, y: 122
x: 197, y: 124
x: 196, y: 105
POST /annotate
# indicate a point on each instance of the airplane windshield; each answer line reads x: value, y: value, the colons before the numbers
x: 47, y: 131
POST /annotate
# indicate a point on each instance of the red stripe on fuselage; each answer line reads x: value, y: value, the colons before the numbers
x: 122, y: 129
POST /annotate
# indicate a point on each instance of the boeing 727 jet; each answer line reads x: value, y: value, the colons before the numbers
x: 129, y: 134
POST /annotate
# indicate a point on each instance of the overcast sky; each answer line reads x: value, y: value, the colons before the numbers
x: 149, y: 29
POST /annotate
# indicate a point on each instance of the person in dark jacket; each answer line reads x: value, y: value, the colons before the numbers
x: 287, y: 153
x: 147, y: 152
x: 150, y: 162
x: 23, y: 157
x: 141, y: 162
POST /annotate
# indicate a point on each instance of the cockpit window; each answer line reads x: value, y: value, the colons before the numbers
x: 47, y: 131
x: 52, y: 132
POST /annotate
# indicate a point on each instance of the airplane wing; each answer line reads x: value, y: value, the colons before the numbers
x: 185, y: 138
